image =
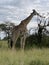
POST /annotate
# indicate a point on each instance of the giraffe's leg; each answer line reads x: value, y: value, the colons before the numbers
x: 14, y: 42
x: 24, y: 39
x: 13, y: 45
x: 14, y: 39
x: 21, y: 42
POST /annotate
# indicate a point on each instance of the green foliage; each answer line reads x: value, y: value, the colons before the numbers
x: 33, y: 41
x: 3, y: 27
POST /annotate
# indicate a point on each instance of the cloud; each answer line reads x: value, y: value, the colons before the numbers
x: 4, y: 2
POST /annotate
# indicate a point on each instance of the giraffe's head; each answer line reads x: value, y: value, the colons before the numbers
x: 36, y: 13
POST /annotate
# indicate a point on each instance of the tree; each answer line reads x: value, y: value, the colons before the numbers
x: 42, y: 31
x: 6, y: 27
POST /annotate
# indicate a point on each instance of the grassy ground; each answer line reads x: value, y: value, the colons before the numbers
x: 34, y: 56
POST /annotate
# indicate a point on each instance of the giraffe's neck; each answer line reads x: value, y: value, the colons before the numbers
x: 27, y: 20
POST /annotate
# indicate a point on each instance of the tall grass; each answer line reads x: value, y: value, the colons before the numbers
x: 34, y: 56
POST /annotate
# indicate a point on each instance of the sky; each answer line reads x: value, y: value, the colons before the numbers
x: 17, y: 10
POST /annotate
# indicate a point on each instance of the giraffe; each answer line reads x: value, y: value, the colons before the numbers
x: 21, y: 29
